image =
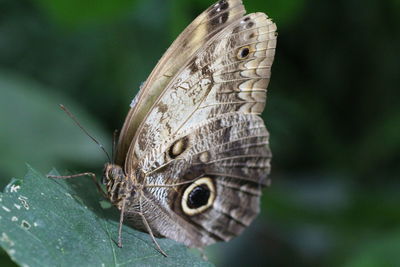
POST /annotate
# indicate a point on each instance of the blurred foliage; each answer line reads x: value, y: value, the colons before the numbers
x: 76, y: 13
x: 30, y: 122
x: 332, y: 110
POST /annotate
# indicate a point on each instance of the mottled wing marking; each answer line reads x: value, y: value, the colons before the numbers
x: 203, y: 28
x: 233, y: 150
x: 214, y: 82
x: 199, y: 117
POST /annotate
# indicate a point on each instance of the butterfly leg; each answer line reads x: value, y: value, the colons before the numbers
x: 121, y: 220
x: 149, y: 229
x: 92, y: 175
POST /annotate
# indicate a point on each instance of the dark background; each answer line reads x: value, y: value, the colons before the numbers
x: 332, y: 110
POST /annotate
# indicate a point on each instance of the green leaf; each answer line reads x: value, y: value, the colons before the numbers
x: 52, y: 222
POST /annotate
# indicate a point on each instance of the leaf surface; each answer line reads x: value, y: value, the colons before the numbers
x: 51, y: 222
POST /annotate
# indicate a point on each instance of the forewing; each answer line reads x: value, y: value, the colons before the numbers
x: 202, y: 29
x: 229, y: 74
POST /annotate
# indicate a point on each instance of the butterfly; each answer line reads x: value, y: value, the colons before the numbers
x: 193, y: 153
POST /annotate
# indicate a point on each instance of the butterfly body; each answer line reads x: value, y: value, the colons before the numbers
x: 193, y: 153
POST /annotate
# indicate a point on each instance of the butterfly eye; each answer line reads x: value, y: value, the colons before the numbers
x: 243, y: 52
x: 199, y: 196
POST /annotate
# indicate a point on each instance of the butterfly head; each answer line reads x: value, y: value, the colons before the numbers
x: 118, y: 185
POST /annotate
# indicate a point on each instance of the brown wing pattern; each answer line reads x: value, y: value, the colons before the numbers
x: 221, y: 78
x: 205, y: 123
x: 203, y: 28
x: 231, y: 149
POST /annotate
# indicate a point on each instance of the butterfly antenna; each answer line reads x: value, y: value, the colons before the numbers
x: 114, y: 146
x: 84, y: 130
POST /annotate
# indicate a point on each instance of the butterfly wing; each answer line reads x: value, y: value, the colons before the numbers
x: 232, y: 151
x: 206, y: 123
x: 202, y: 29
x: 229, y: 74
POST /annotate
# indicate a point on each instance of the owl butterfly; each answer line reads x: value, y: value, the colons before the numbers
x: 193, y: 153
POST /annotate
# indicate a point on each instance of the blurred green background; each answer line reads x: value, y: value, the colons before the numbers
x: 333, y: 112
